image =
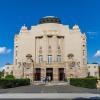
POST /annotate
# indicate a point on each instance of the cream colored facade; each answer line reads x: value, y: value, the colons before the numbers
x: 8, y: 69
x: 93, y: 70
x: 50, y: 49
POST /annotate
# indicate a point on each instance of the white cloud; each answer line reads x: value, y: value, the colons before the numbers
x: 4, y: 50
x: 97, y: 54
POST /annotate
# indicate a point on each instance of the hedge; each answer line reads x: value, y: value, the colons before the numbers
x: 84, y: 82
x: 9, y: 77
x: 10, y: 83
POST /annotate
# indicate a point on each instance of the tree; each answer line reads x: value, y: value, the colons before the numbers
x: 1, y: 73
x: 99, y: 71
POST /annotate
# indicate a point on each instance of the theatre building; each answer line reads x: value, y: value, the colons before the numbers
x: 50, y: 49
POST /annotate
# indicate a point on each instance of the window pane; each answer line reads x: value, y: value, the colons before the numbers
x: 58, y: 58
x: 40, y: 58
x: 49, y: 59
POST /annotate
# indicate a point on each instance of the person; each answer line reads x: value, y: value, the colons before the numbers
x: 41, y: 79
x: 49, y: 78
x: 64, y: 77
x: 45, y: 80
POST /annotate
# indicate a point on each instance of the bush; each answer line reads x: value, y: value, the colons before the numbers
x: 90, y: 77
x: 9, y: 77
x: 9, y: 83
x: 84, y: 82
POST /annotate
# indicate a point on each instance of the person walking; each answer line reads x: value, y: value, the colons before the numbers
x: 49, y: 78
x: 45, y: 80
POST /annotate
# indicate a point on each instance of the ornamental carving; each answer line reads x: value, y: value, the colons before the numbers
x: 70, y: 56
x: 51, y: 32
x: 71, y: 63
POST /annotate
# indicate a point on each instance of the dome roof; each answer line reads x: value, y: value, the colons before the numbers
x: 49, y: 19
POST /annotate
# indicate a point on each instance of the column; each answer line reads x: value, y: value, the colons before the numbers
x: 31, y: 75
x: 54, y: 48
x: 45, y: 48
x: 55, y: 74
x: 43, y: 72
x: 65, y: 72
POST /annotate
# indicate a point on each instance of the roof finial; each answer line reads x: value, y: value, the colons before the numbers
x: 24, y: 29
x: 76, y: 27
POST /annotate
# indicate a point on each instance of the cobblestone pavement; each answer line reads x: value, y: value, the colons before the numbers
x: 49, y: 89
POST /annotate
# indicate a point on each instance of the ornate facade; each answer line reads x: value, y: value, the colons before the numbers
x: 50, y: 49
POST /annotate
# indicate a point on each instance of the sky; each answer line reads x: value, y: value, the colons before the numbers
x: 15, y: 13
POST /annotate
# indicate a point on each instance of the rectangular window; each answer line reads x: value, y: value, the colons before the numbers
x: 49, y: 59
x: 83, y: 52
x: 16, y: 61
x: 59, y: 58
x: 88, y: 73
x: 84, y: 61
x: 40, y: 58
x: 16, y: 53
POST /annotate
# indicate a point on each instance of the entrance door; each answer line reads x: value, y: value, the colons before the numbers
x: 61, y: 74
x: 49, y: 72
x: 38, y: 74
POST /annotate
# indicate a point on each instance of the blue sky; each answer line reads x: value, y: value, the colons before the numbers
x: 15, y: 13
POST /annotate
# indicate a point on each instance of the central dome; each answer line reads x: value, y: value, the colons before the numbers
x: 49, y: 19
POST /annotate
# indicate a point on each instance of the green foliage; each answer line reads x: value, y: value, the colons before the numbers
x: 10, y: 83
x: 90, y: 77
x: 9, y: 77
x: 84, y: 82
x: 1, y: 74
x: 99, y: 71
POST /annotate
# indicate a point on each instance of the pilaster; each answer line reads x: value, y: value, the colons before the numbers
x: 55, y: 74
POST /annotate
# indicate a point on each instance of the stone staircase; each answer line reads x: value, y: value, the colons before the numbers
x: 52, y: 83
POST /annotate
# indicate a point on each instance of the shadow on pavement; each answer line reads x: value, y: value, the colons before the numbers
x: 91, y: 98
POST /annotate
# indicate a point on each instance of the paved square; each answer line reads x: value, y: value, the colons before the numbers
x: 49, y: 89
